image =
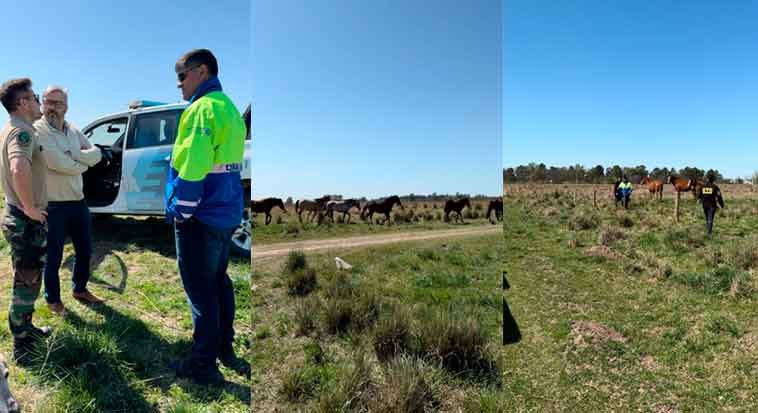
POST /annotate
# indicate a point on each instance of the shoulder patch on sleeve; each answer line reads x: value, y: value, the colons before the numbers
x: 24, y: 139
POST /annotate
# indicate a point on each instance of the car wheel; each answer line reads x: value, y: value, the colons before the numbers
x: 242, y: 239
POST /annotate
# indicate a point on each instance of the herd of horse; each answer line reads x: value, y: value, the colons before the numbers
x: 320, y: 208
x: 655, y: 186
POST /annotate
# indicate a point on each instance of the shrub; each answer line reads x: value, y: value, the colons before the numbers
x: 392, y: 335
x: 609, y: 236
x: 292, y: 228
x: 352, y: 391
x: 404, y: 388
x: 458, y: 343
x: 296, y: 261
x: 305, y: 315
x: 300, y: 384
x: 583, y: 220
x: 302, y: 282
x: 314, y: 353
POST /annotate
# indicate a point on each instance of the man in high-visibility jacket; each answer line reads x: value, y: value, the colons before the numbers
x: 625, y: 190
x: 204, y: 199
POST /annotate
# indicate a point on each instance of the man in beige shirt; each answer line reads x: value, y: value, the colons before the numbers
x: 68, y: 154
x: 23, y: 176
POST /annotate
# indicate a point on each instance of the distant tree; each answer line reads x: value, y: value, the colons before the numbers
x: 288, y: 201
x: 692, y: 173
x: 614, y: 172
x: 596, y: 175
x: 509, y: 175
x: 739, y: 181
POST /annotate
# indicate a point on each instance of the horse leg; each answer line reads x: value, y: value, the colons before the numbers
x: 268, y: 218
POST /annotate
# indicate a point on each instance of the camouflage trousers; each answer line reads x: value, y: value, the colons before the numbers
x: 28, y: 242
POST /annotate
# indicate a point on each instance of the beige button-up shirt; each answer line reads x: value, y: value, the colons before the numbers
x: 68, y: 154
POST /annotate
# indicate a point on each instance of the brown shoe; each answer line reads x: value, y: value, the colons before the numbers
x: 87, y: 297
x: 57, y: 308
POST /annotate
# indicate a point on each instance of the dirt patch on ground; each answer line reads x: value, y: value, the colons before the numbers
x: 650, y: 363
x: 269, y: 251
x: 592, y: 333
x: 602, y: 251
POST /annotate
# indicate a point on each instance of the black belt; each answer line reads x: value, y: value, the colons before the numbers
x: 17, y: 212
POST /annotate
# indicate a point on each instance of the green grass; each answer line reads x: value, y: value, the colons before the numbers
x: 114, y: 357
x: 442, y: 353
x: 663, y: 326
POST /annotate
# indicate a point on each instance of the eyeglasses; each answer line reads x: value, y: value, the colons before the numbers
x: 57, y: 103
x: 35, y: 96
x: 183, y: 74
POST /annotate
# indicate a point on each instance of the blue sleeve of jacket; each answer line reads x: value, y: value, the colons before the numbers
x: 182, y: 197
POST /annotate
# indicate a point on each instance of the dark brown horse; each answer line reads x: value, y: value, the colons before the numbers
x: 456, y: 206
x: 265, y: 206
x: 683, y: 185
x: 313, y: 207
x: 382, y: 206
x: 654, y: 186
x: 497, y: 206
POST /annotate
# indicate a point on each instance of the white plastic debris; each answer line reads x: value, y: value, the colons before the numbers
x: 341, y: 264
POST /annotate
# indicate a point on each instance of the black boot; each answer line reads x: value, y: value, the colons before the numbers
x: 230, y: 360
x: 23, y: 350
x: 198, y: 372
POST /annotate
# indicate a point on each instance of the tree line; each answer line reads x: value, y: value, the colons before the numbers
x: 541, y: 173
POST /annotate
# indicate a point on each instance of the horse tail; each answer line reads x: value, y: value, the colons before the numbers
x: 297, y: 206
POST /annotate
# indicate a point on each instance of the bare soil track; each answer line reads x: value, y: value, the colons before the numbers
x: 283, y: 248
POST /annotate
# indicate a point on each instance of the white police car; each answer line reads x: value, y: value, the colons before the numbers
x: 138, y: 143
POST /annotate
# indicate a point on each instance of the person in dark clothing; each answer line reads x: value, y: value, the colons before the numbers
x: 710, y: 194
x: 616, y: 192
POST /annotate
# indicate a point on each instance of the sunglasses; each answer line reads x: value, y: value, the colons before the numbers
x: 183, y: 74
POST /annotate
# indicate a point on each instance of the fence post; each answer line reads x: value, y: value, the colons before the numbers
x: 676, y: 207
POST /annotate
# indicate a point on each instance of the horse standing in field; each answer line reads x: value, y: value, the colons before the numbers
x: 314, y: 207
x: 497, y: 206
x: 456, y: 206
x: 654, y: 186
x: 683, y: 185
x: 265, y: 206
x: 382, y: 206
x: 342, y: 206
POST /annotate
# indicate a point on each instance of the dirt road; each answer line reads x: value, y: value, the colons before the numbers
x: 283, y: 248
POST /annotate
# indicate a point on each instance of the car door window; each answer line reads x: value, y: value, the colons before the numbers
x: 107, y: 133
x: 154, y: 129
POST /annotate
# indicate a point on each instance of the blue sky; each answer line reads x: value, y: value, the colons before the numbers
x: 661, y: 83
x: 110, y: 53
x: 375, y: 98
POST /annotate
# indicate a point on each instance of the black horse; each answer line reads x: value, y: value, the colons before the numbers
x: 382, y: 206
x: 456, y: 206
x: 497, y: 206
x: 266, y: 205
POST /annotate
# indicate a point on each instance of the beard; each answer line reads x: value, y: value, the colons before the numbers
x: 53, y: 117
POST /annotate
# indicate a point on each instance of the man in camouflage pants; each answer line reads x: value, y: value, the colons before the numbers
x: 23, y: 173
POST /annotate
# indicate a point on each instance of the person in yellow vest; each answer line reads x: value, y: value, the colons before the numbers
x: 625, y: 191
x: 204, y: 200
x: 710, y: 194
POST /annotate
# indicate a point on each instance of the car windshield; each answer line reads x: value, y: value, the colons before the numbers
x: 107, y: 133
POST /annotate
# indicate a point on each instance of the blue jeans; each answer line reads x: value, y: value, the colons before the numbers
x: 67, y: 218
x: 203, y: 255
